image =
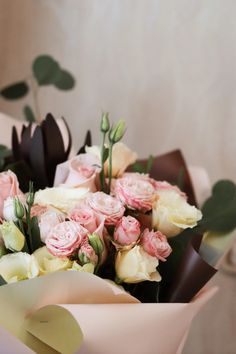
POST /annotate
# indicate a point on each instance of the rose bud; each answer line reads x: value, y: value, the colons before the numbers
x: 155, y: 244
x: 13, y: 238
x: 136, y: 265
x: 127, y: 231
x: 96, y: 243
x: 87, y: 254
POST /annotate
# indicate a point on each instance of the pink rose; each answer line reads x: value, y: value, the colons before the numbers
x: 65, y: 238
x: 127, y: 231
x: 9, y: 187
x: 86, y: 217
x: 38, y: 210
x: 155, y: 244
x: 87, y: 254
x: 47, y: 221
x: 80, y: 171
x: 107, y: 206
x: 135, y: 191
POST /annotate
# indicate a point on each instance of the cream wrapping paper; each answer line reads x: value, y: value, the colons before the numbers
x: 76, y: 312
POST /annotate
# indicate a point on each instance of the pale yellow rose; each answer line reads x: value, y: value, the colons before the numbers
x: 13, y: 238
x: 122, y: 157
x: 18, y: 266
x: 136, y: 265
x: 88, y: 267
x: 48, y: 263
x: 62, y: 198
x: 171, y: 213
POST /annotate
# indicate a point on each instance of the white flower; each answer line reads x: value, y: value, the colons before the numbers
x: 13, y: 238
x: 9, y: 209
x: 62, y: 198
x: 18, y: 266
x: 122, y: 157
x: 136, y: 265
x: 171, y: 213
x: 48, y: 263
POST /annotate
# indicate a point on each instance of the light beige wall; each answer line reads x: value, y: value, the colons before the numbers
x: 167, y: 67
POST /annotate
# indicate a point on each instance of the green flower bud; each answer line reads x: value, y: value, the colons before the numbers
x: 96, y: 243
x: 83, y: 258
x: 19, y: 208
x: 13, y: 238
x: 30, y: 196
x: 117, y: 133
x: 105, y: 124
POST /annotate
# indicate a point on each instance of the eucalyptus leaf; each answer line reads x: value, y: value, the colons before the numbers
x: 64, y: 80
x: 45, y: 69
x: 15, y: 91
x: 29, y: 114
x: 219, y: 211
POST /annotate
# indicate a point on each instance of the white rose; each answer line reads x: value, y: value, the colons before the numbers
x: 48, y: 263
x: 62, y: 198
x: 171, y: 213
x: 122, y: 157
x: 136, y: 265
x: 18, y: 266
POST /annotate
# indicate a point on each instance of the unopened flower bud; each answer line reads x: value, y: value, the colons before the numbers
x: 105, y: 124
x: 96, y: 243
x: 19, y: 208
x: 13, y: 238
x: 117, y: 133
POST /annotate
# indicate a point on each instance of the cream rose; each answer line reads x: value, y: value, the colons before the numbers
x: 81, y: 171
x: 122, y: 157
x: 48, y: 263
x: 136, y: 265
x: 63, y: 198
x: 18, y: 266
x: 171, y: 213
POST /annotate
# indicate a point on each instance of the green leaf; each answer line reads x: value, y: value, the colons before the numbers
x: 15, y: 91
x: 149, y: 164
x: 105, y: 155
x: 45, y: 69
x: 36, y: 239
x: 64, y: 80
x: 219, y: 211
x: 29, y: 114
x: 2, y: 281
x: 138, y: 167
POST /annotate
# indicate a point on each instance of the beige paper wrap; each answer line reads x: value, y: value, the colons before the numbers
x: 74, y: 312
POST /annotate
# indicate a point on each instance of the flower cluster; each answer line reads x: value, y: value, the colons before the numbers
x: 93, y: 213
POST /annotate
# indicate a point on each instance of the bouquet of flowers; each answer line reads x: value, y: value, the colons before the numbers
x: 120, y: 244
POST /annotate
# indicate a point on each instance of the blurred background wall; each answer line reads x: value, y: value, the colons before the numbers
x: 167, y: 67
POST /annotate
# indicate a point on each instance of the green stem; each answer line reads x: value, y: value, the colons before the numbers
x: 102, y: 175
x: 28, y: 219
x: 110, y: 167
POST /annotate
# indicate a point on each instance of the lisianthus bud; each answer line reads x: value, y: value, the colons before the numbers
x: 87, y: 254
x: 96, y: 243
x: 30, y: 198
x: 9, y: 213
x: 13, y: 238
x: 19, y: 208
x: 117, y: 133
x: 105, y: 124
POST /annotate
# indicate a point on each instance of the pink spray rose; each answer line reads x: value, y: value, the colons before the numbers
x: 127, y: 231
x: 9, y: 187
x: 155, y: 244
x: 87, y: 254
x: 107, y: 206
x: 80, y: 171
x: 86, y: 217
x: 65, y: 238
x: 163, y: 186
x: 135, y: 191
x: 47, y: 221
